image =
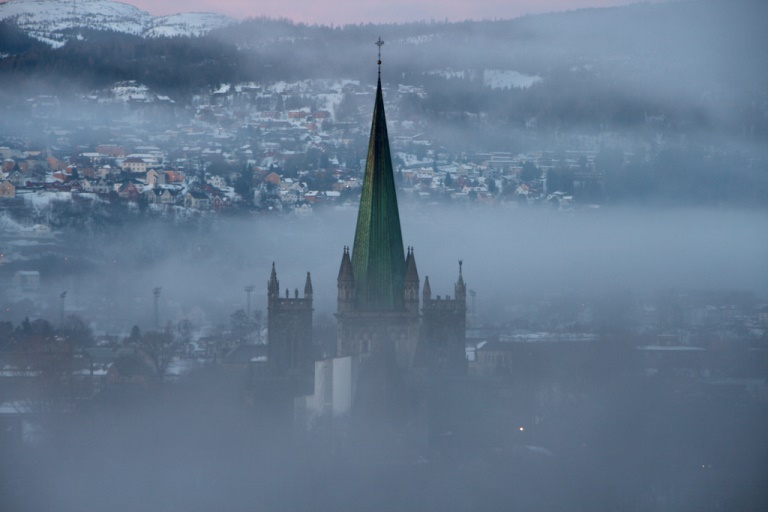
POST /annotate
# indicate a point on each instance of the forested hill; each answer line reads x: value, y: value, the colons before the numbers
x: 691, y: 33
x: 178, y: 66
x: 666, y: 38
x: 695, y: 63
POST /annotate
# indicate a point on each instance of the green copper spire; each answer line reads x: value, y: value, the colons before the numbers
x: 378, y: 259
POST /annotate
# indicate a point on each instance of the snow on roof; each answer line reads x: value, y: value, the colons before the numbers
x: 99, y: 372
x: 671, y: 348
x: 223, y: 89
x: 179, y: 367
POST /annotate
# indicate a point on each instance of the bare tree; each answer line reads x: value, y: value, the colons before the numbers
x: 161, y: 348
x: 74, y: 330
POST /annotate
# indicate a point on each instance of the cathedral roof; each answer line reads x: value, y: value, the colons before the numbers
x: 377, y: 256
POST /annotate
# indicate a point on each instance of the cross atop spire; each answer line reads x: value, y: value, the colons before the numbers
x: 379, y: 43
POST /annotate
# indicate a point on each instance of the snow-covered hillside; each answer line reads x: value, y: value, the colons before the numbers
x: 187, y: 24
x: 52, y: 21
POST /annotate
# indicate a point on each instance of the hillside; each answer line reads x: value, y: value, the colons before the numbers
x: 55, y: 22
x: 682, y: 66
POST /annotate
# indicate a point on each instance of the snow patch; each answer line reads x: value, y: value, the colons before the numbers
x: 508, y: 79
x: 187, y: 24
x: 425, y: 38
x: 43, y: 199
x: 447, y: 73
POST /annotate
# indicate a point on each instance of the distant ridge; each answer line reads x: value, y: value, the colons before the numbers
x: 55, y: 21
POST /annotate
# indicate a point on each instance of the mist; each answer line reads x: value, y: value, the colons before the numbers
x: 597, y: 179
x: 588, y: 422
x: 509, y: 253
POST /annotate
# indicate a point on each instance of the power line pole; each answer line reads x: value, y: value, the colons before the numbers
x: 62, y: 296
x: 248, y: 290
x: 156, y: 293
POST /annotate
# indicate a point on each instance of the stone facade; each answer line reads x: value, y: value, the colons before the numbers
x: 290, y: 352
x: 444, y: 321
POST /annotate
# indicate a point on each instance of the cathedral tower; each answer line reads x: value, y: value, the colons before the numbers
x: 377, y: 254
x: 386, y: 341
x: 378, y: 288
x: 289, y: 349
x: 442, y: 338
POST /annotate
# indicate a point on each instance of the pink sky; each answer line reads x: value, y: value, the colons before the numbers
x: 339, y: 12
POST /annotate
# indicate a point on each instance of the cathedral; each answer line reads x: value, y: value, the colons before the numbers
x: 391, y: 331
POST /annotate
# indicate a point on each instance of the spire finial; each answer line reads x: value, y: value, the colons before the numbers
x: 379, y: 43
x: 461, y: 263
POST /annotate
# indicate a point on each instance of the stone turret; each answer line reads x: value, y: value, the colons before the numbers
x: 273, y: 285
x: 346, y: 283
x: 460, y: 289
x: 308, y: 287
x: 411, y: 284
